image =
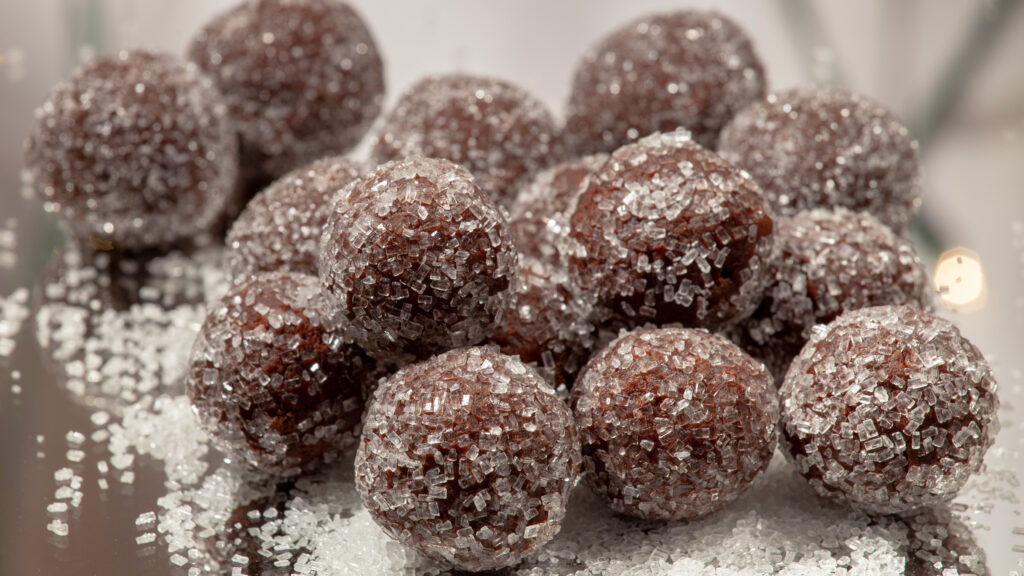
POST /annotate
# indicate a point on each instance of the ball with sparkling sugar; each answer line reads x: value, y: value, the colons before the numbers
x: 497, y: 130
x: 271, y: 379
x: 539, y: 217
x: 280, y: 229
x: 690, y: 69
x: 827, y: 262
x: 303, y: 79
x: 826, y: 148
x: 468, y: 457
x: 666, y: 231
x: 134, y: 151
x: 545, y: 324
x: 417, y: 259
x: 675, y: 423
x: 888, y: 409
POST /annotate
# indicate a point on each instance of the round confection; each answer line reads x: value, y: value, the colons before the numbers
x: 666, y: 231
x: 468, y: 457
x: 497, y: 130
x: 417, y: 258
x: 539, y: 217
x: 134, y: 151
x: 822, y: 147
x: 675, y: 423
x: 280, y: 228
x: 303, y: 79
x: 827, y: 262
x: 689, y: 69
x: 271, y: 380
x: 888, y: 409
x: 544, y: 324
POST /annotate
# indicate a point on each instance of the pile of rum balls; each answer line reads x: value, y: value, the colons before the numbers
x: 495, y: 304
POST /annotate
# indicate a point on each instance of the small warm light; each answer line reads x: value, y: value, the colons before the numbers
x: 960, y: 280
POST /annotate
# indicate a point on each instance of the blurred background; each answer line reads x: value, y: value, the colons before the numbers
x: 952, y: 69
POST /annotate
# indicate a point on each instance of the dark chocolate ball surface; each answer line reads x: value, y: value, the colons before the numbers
x: 497, y: 130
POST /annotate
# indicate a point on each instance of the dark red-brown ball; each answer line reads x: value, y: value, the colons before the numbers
x: 666, y: 231
x: 417, y: 259
x: 272, y: 380
x: 134, y: 151
x: 497, y: 130
x: 888, y: 409
x: 827, y: 262
x: 280, y: 229
x: 303, y: 79
x: 675, y: 423
x: 689, y: 69
x: 545, y: 324
x: 539, y: 217
x: 827, y: 148
x: 468, y: 457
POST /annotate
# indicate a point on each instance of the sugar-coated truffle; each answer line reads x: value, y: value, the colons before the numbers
x: 271, y: 378
x: 888, y: 409
x: 545, y: 324
x: 675, y: 423
x: 303, y: 79
x: 666, y: 231
x: 826, y: 148
x: 417, y: 259
x: 497, y: 130
x: 539, y: 217
x: 827, y: 262
x: 690, y: 68
x: 134, y: 151
x: 469, y: 458
x: 280, y: 229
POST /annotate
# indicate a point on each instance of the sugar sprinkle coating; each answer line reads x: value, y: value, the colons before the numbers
x: 825, y: 148
x: 417, y: 259
x: 271, y: 379
x: 280, y: 228
x: 667, y: 231
x: 888, y: 409
x: 545, y: 324
x: 497, y: 130
x: 468, y: 457
x: 540, y: 215
x: 134, y: 151
x: 690, y: 69
x: 303, y: 78
x: 827, y: 262
x: 675, y: 423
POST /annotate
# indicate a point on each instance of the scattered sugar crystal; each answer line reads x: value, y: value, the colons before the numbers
x: 13, y: 312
